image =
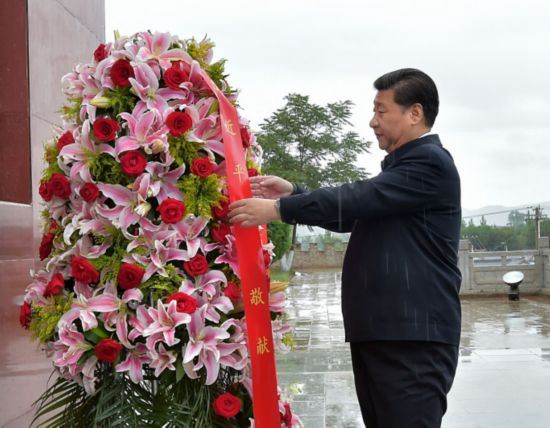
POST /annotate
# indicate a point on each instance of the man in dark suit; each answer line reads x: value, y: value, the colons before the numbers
x: 400, y: 281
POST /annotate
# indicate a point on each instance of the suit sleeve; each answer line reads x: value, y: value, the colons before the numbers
x: 407, y: 187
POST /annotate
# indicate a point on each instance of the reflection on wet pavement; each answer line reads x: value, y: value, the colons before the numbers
x: 503, y: 377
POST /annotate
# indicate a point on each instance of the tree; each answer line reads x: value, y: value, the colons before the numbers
x: 516, y: 218
x: 311, y: 144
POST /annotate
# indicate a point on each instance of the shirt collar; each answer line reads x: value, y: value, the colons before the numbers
x: 427, y: 138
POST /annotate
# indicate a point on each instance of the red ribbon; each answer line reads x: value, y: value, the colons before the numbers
x: 254, y: 277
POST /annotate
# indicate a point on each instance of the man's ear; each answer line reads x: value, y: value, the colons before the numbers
x: 416, y: 113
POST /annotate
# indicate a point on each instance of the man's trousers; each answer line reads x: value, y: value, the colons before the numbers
x: 403, y: 384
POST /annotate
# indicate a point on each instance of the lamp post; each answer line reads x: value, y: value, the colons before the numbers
x: 513, y: 279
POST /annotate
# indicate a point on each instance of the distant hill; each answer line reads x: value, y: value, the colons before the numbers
x: 498, y: 214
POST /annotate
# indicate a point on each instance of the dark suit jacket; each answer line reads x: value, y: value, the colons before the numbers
x: 400, y: 279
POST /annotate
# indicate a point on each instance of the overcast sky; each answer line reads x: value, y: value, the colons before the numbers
x: 489, y: 59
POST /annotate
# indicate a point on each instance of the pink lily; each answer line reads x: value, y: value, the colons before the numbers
x: 158, y: 256
x: 279, y: 331
x: 163, y: 360
x: 208, y: 283
x: 133, y: 364
x: 117, y: 319
x: 35, y: 290
x: 146, y: 86
x: 234, y: 353
x: 146, y: 238
x: 189, y: 229
x: 277, y: 302
x: 207, y: 128
x: 215, y: 303
x: 88, y: 375
x: 84, y: 308
x: 204, y: 343
x: 229, y: 255
x: 164, y: 180
x: 80, y: 154
x: 165, y: 320
x: 156, y: 48
x: 142, y: 134
x: 69, y: 348
x: 140, y: 321
x: 131, y: 205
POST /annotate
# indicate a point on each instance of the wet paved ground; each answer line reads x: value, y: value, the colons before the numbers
x: 503, y: 376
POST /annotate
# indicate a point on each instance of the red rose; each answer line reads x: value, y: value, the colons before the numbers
x: 129, y: 276
x: 267, y: 259
x: 178, y: 123
x: 100, y: 53
x: 53, y: 226
x: 245, y: 137
x: 185, y: 303
x: 227, y: 405
x: 89, y: 192
x: 232, y: 291
x: 55, y: 286
x: 252, y: 172
x: 121, y: 71
x: 83, y: 271
x: 107, y: 350
x: 221, y: 211
x: 45, y: 190
x: 219, y: 232
x: 287, y: 417
x: 133, y: 162
x: 196, y: 266
x: 46, y: 245
x: 60, y: 186
x: 64, y: 140
x: 25, y: 315
x: 105, y: 129
x: 175, y: 76
x: 202, y: 167
x: 171, y: 210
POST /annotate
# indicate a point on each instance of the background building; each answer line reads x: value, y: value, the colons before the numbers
x: 42, y: 39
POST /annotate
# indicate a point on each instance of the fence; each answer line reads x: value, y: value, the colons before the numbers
x: 481, y: 271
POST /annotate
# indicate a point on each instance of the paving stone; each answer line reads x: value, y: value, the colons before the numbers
x: 502, y: 380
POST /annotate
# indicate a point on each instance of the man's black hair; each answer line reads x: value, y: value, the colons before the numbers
x: 412, y: 86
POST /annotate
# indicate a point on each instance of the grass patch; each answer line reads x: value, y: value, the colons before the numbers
x: 279, y: 275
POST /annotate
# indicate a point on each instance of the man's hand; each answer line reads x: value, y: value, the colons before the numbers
x: 270, y: 187
x: 253, y: 212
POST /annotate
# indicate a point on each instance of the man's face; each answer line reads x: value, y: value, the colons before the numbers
x: 391, y: 122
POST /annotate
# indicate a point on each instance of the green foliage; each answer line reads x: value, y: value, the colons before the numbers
x: 118, y: 402
x: 50, y: 156
x: 159, y: 286
x: 183, y: 151
x: 279, y: 275
x: 200, y: 194
x: 44, y: 319
x: 121, y: 100
x: 200, y: 52
x: 109, y: 263
x: 516, y: 218
x: 281, y: 235
x: 312, y: 144
x: 71, y: 112
x: 216, y: 71
x: 288, y: 339
x: 104, y: 168
x: 497, y: 238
